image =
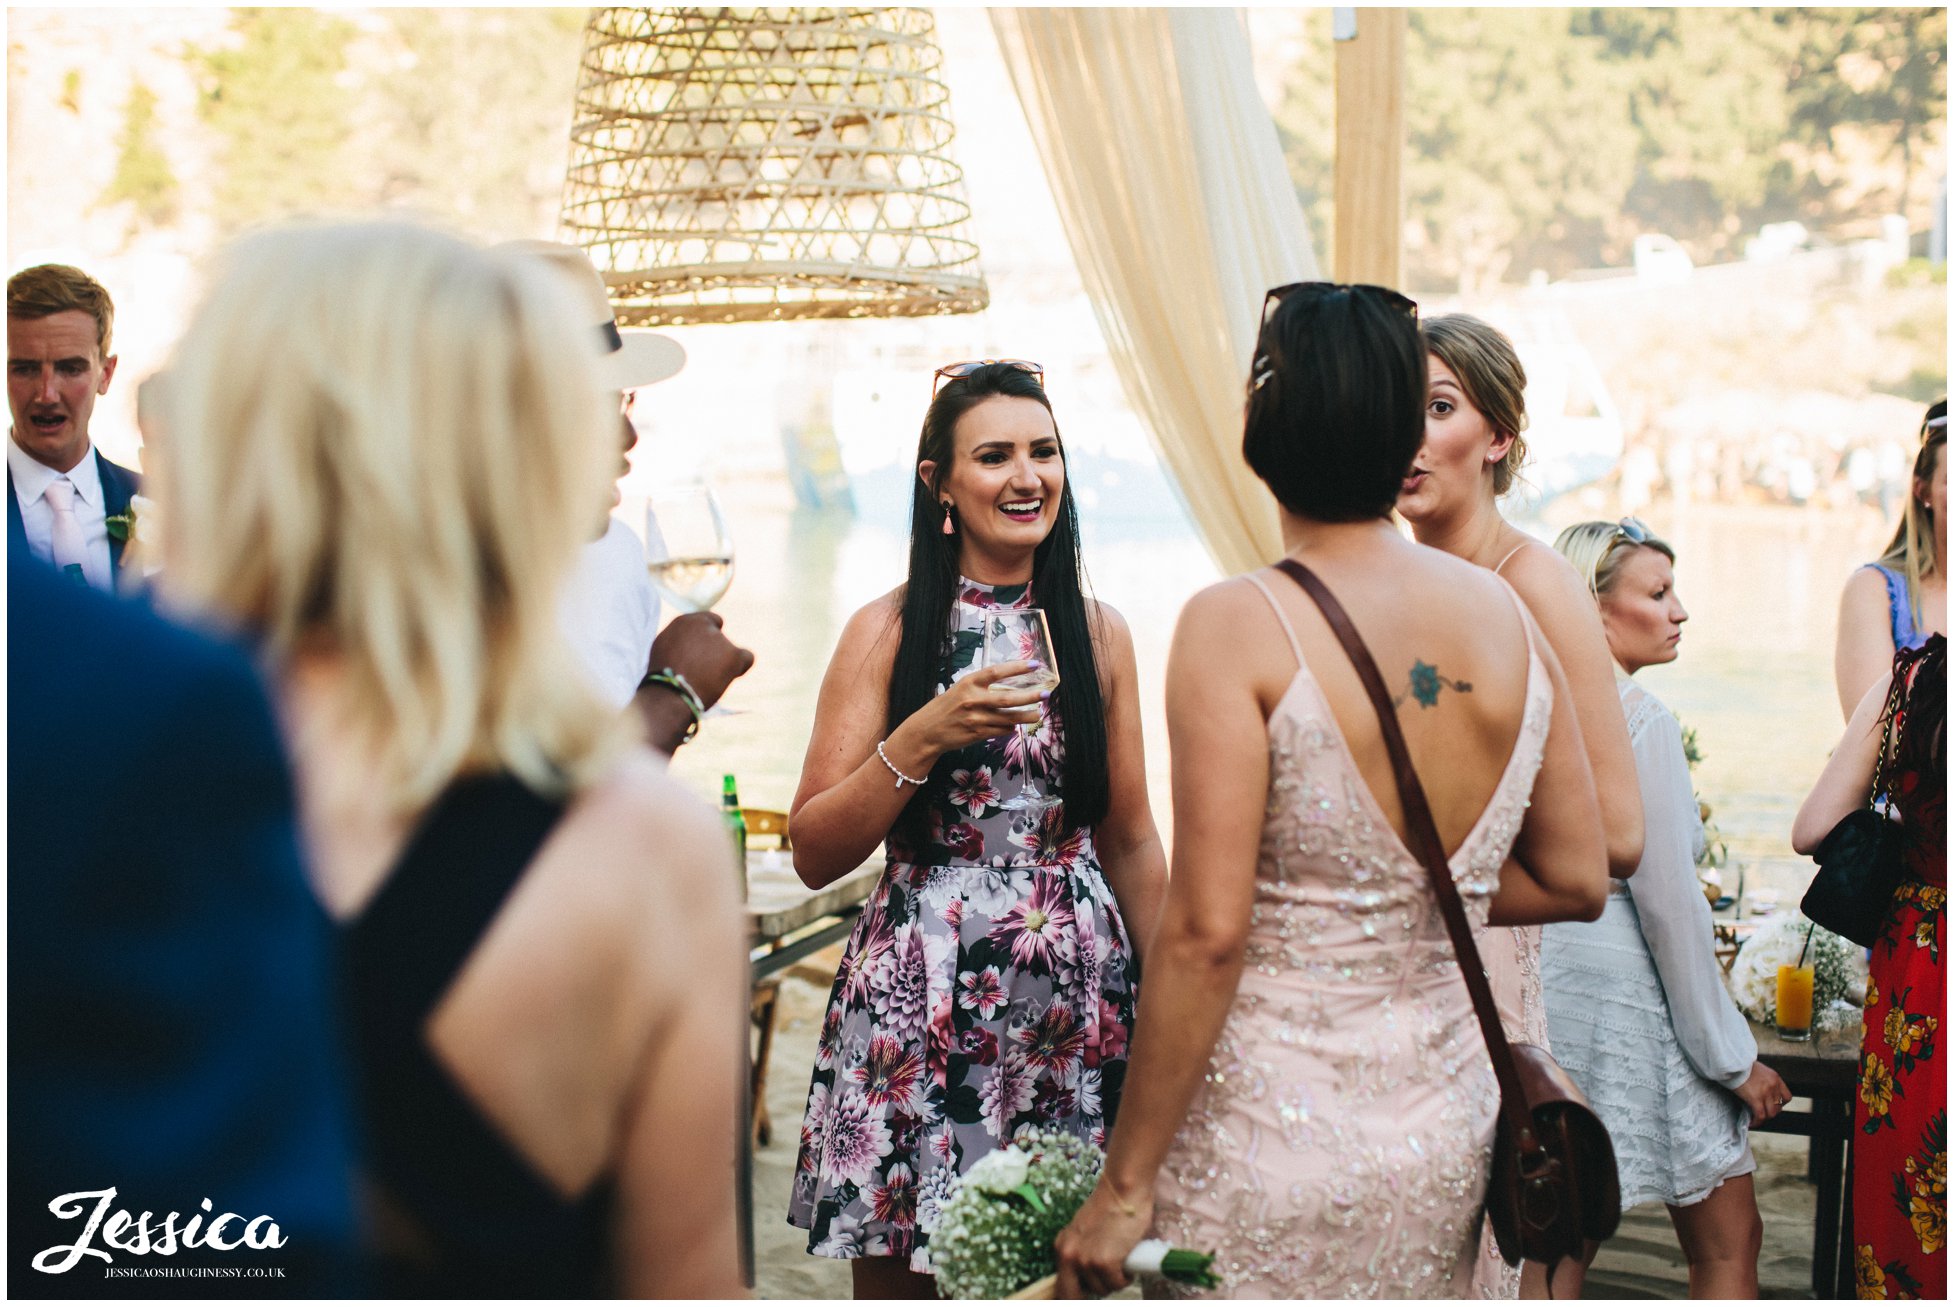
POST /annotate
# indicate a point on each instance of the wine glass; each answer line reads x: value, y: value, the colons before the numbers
x: 1022, y: 635
x: 688, y: 550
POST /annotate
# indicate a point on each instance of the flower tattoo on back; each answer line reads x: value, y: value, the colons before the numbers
x: 1426, y: 682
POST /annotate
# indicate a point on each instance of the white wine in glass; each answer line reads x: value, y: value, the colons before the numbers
x: 1021, y: 635
x: 688, y: 550
x: 692, y: 584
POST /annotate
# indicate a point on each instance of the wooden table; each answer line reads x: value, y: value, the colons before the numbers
x: 1824, y: 1070
x: 785, y: 922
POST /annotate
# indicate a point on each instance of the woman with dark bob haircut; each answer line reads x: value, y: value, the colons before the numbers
x: 990, y: 983
x: 1302, y: 992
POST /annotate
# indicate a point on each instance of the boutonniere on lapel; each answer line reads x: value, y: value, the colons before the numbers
x: 134, y: 526
x: 126, y: 525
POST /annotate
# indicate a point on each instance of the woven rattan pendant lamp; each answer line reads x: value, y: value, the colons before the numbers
x: 741, y: 165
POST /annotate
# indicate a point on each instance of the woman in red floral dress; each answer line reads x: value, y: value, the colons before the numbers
x: 1899, y: 1189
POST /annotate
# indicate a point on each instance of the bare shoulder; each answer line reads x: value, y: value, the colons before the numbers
x: 1553, y: 590
x: 638, y: 816
x: 1231, y: 600
x: 877, y: 621
x: 1864, y: 590
x: 1109, y: 626
x: 1229, y: 627
x: 1471, y: 582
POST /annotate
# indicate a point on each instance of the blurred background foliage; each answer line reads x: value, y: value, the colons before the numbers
x: 1550, y: 138
x: 438, y: 111
x: 1538, y: 139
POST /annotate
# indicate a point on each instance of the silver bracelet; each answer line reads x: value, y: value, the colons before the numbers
x: 900, y: 778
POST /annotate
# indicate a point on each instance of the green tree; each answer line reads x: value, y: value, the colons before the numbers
x: 1880, y: 70
x: 1551, y: 138
x: 142, y: 171
x: 279, y: 100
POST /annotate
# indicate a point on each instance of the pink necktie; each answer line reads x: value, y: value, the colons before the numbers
x: 65, y: 541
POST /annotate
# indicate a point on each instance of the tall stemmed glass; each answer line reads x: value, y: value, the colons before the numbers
x: 688, y: 549
x: 1022, y: 635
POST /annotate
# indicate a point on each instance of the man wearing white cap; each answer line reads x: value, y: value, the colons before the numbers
x: 610, y: 608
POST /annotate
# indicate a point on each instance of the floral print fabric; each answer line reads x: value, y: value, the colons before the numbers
x: 1899, y: 1169
x: 988, y: 985
x: 1899, y: 1200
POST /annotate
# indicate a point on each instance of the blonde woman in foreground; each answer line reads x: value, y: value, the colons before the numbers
x: 380, y: 450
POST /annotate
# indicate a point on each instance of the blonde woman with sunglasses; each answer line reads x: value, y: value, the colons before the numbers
x: 991, y: 980
x: 1471, y: 456
x: 1636, y: 1005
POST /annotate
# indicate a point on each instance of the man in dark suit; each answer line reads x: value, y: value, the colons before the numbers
x: 66, y: 504
x: 170, y: 1022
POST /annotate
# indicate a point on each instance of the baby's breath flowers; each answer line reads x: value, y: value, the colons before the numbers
x: 995, y: 1235
x: 1838, y: 971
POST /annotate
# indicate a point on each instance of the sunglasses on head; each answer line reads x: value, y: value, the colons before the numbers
x: 952, y: 371
x: 1632, y: 529
x: 1324, y: 290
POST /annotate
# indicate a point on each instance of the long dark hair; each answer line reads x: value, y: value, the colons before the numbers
x: 1057, y: 585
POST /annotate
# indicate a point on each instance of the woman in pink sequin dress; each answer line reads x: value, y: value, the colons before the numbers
x: 1309, y: 1096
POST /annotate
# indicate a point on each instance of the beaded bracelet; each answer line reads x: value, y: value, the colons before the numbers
x: 900, y: 777
x: 675, y: 681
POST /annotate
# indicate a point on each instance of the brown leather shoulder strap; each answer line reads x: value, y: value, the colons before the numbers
x: 1423, y: 839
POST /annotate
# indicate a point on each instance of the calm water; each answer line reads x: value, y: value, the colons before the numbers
x: 1754, y: 678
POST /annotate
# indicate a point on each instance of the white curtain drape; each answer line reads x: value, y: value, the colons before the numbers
x: 1180, y: 213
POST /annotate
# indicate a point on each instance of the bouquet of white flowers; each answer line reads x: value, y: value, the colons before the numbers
x: 995, y: 1235
x: 1838, y: 972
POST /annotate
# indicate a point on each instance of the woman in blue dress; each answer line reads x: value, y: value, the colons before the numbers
x: 1897, y: 602
x: 990, y: 981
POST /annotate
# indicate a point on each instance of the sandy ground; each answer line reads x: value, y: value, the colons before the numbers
x: 1642, y: 1261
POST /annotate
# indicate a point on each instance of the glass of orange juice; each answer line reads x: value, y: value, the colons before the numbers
x: 1795, y: 1002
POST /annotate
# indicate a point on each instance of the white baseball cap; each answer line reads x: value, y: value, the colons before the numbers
x: 630, y: 358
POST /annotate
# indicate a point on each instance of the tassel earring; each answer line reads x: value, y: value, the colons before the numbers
x: 949, y: 525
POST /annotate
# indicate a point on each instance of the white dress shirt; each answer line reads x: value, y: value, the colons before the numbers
x: 31, y: 480
x: 610, y: 612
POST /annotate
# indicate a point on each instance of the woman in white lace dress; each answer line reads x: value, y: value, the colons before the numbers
x: 1636, y: 1006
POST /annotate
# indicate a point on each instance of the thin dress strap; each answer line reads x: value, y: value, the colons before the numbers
x: 1526, y: 623
x: 1295, y: 645
x: 1509, y: 557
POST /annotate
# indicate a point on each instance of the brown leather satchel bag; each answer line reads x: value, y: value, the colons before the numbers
x: 1553, y: 1181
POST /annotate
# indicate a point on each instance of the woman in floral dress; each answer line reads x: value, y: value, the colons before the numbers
x: 990, y: 982
x: 1899, y: 1168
